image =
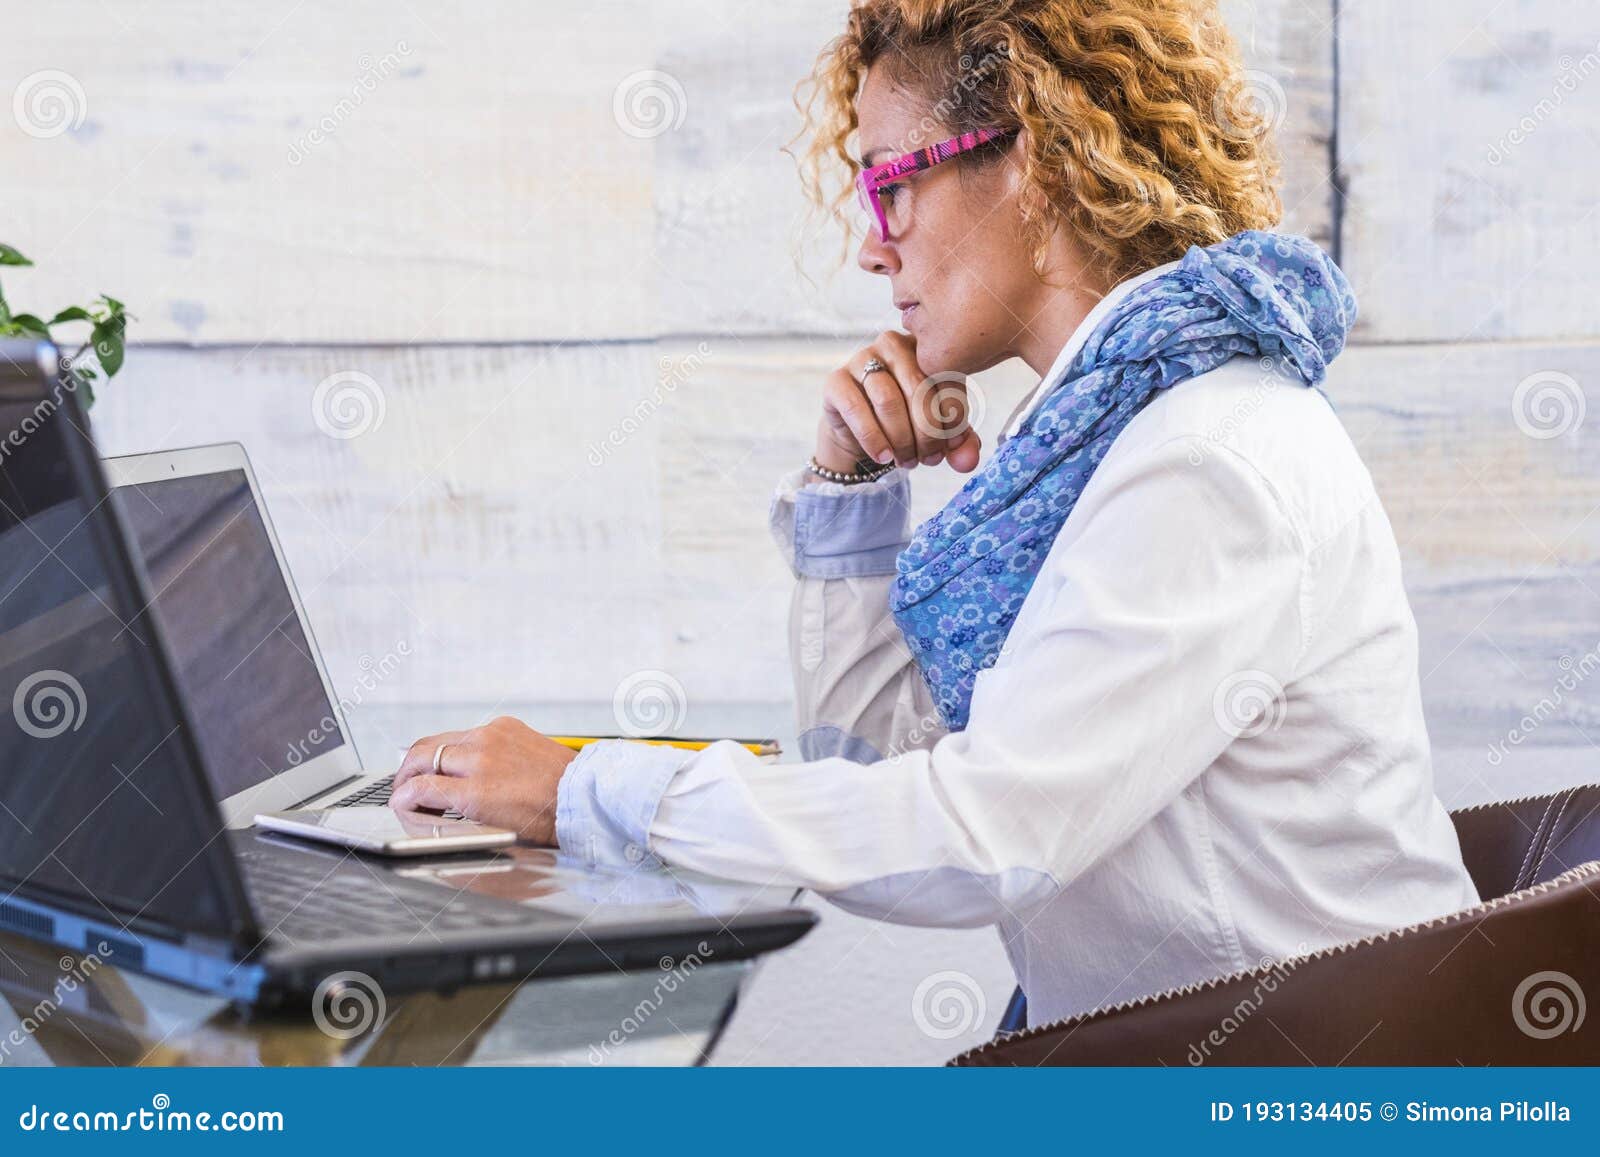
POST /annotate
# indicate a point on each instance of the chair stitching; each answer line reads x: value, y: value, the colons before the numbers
x: 1533, y: 843
x: 1550, y: 837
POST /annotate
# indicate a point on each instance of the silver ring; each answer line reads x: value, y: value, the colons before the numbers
x: 438, y: 757
x: 873, y: 366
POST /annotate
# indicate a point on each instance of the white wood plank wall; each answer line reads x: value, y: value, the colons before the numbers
x: 551, y: 253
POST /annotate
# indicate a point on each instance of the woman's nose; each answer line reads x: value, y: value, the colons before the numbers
x: 876, y: 256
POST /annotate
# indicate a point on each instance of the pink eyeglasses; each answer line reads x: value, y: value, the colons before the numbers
x: 871, y: 182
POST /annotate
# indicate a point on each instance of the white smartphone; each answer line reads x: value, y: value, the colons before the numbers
x: 386, y: 831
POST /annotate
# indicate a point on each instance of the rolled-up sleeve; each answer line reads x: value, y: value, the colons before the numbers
x: 828, y: 530
x: 1178, y: 571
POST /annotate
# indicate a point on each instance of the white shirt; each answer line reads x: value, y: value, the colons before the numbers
x: 1201, y: 748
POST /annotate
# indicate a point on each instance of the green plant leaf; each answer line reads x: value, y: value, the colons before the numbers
x: 72, y: 313
x: 85, y: 390
x: 9, y: 256
x: 108, y: 343
x: 27, y: 323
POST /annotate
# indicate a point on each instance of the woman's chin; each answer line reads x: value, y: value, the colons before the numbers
x: 936, y: 358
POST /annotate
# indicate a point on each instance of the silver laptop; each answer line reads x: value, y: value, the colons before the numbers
x: 268, y: 716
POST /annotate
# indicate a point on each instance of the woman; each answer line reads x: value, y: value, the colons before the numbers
x: 1144, y: 694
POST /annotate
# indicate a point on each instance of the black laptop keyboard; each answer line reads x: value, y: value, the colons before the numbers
x: 316, y: 898
x: 377, y: 793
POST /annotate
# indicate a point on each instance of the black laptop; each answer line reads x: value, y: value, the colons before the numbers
x: 111, y: 837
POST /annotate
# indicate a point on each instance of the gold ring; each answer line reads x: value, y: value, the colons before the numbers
x: 438, y: 757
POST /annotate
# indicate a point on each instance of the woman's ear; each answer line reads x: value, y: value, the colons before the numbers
x: 1034, y: 204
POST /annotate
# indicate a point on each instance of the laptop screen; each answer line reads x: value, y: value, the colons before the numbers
x: 244, y: 663
x: 97, y: 805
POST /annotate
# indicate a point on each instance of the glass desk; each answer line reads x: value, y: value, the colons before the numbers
x: 62, y: 1008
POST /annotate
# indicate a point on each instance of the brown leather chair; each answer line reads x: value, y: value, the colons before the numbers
x: 1503, y: 983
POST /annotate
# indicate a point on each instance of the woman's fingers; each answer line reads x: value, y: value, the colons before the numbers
x: 886, y: 391
x: 847, y: 399
x: 899, y: 353
x: 419, y: 757
x: 435, y: 793
x: 946, y: 409
x: 897, y: 414
x: 963, y: 452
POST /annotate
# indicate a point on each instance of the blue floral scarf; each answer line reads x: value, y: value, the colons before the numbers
x: 967, y: 570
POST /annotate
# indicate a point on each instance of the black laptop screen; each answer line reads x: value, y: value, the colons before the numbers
x: 245, y: 665
x: 97, y: 805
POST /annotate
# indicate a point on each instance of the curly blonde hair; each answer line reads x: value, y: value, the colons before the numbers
x: 1141, y: 130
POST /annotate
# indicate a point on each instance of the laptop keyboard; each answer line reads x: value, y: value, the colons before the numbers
x: 314, y: 898
x: 377, y: 793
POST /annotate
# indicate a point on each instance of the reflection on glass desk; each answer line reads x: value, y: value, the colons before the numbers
x: 63, y: 1008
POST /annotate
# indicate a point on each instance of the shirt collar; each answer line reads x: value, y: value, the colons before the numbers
x: 1075, y: 343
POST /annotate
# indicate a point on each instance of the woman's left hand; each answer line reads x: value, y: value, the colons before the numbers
x: 504, y: 774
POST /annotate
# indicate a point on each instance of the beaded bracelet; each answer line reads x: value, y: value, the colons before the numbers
x: 871, y: 474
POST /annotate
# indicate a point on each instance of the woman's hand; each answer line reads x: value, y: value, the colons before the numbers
x: 899, y: 414
x: 504, y: 773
